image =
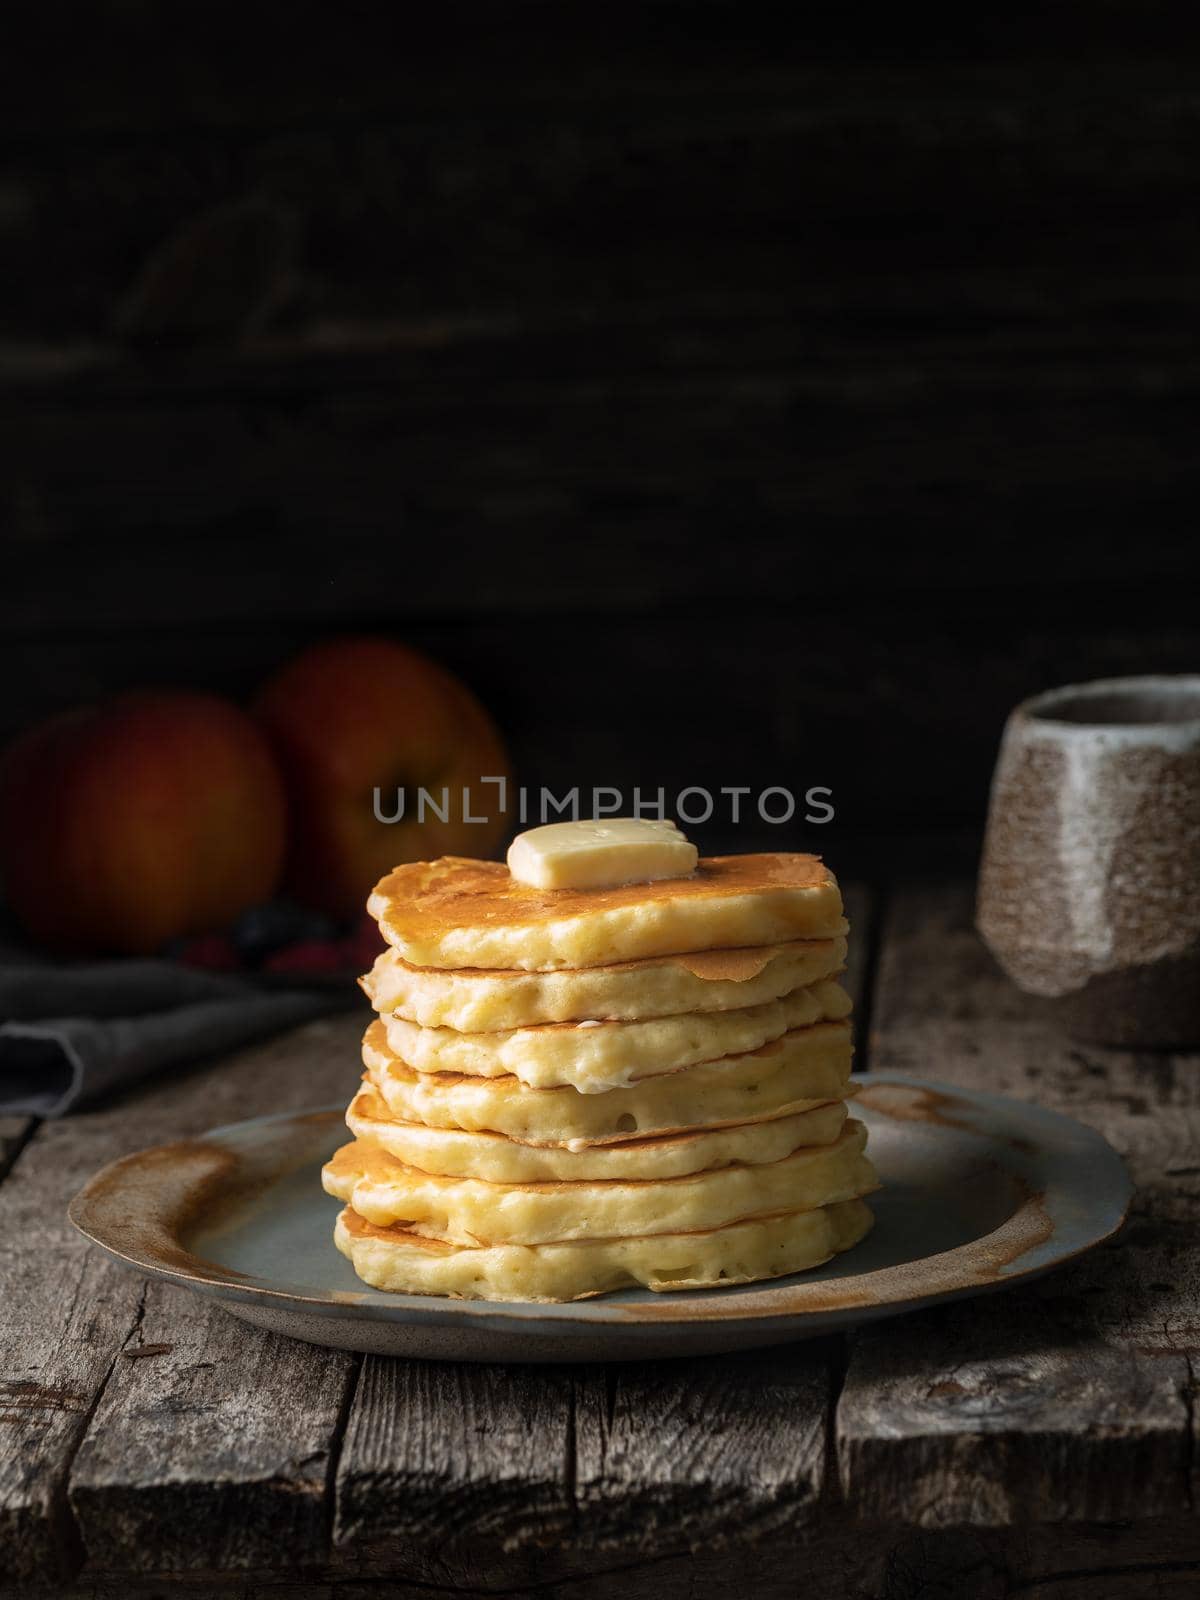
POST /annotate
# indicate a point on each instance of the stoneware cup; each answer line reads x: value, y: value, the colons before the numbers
x: 1089, y: 890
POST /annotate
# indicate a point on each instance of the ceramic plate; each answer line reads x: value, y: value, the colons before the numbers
x: 978, y: 1192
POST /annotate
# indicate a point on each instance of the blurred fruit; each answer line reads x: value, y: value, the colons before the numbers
x: 152, y: 816
x: 352, y: 715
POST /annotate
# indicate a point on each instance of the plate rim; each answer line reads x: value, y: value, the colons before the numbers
x: 999, y: 1258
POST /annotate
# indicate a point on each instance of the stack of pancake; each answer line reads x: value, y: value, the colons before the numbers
x: 571, y: 1091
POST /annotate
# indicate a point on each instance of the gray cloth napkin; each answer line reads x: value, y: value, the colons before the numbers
x: 71, y: 1034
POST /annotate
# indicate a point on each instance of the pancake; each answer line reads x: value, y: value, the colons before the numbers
x: 597, y: 1056
x: 794, y: 1073
x: 745, y: 1252
x: 450, y: 1153
x: 385, y: 1191
x: 459, y: 913
x: 479, y: 1001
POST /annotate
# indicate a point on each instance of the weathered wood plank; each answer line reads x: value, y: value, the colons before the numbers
x: 212, y: 1450
x: 1061, y: 1401
x: 697, y: 461
x: 984, y: 1418
x: 573, y: 174
x: 838, y: 1561
x: 702, y: 1453
x: 70, y: 1312
x: 438, y: 1457
x: 66, y: 1313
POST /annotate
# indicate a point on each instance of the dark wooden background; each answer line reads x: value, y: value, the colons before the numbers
x: 732, y: 394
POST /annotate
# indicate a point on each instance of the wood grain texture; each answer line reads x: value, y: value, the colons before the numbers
x: 839, y: 1561
x: 476, y: 170
x: 1008, y: 1420
x: 702, y: 1453
x: 1066, y: 1400
x: 440, y: 1456
x: 659, y: 467
x: 724, y: 320
x: 73, y: 1312
x: 214, y: 1452
x: 661, y: 310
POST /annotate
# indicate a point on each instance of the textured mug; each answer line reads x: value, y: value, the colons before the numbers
x: 1089, y: 889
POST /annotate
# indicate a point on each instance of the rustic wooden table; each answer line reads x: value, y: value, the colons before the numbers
x: 1039, y: 1441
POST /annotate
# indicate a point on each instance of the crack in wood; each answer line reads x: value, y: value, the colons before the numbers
x: 1154, y: 1569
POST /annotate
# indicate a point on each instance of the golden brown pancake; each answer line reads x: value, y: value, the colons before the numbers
x: 596, y: 1057
x: 466, y: 1210
x: 402, y: 1262
x: 460, y: 913
x: 803, y: 1069
x: 480, y: 1001
x: 451, y: 1153
x: 573, y: 1090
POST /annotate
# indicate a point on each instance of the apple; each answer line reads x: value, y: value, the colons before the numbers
x: 351, y: 716
x: 154, y: 815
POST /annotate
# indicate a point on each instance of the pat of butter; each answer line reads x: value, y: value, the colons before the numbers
x: 600, y: 855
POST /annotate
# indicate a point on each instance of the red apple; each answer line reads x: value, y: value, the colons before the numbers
x: 133, y: 822
x: 350, y: 716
